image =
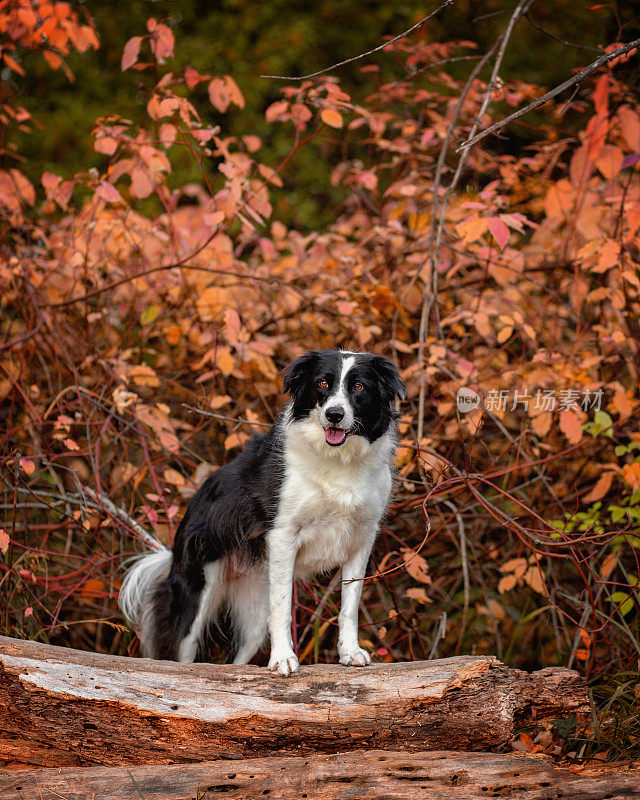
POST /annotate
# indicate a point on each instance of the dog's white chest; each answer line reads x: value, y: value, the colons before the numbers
x: 331, y: 506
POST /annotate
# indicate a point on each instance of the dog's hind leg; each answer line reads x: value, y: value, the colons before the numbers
x: 249, y: 608
x: 210, y: 600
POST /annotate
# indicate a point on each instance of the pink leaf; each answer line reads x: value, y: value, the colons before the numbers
x: 108, y: 192
x: 162, y: 42
x: 499, y: 231
x: 219, y: 94
x: 131, y: 52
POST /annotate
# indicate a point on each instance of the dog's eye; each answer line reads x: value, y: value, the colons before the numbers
x: 358, y: 387
x: 323, y: 384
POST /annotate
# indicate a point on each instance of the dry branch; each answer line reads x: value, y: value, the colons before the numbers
x: 377, y: 774
x: 62, y: 707
x: 540, y: 101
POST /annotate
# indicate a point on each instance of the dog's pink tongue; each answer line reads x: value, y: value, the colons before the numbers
x: 335, y: 435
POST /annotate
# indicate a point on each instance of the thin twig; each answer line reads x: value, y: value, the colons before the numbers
x: 413, y: 28
x: 227, y: 419
x: 553, y: 93
x: 560, y: 39
x: 465, y: 570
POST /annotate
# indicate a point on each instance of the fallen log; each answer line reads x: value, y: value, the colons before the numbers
x: 62, y: 707
x: 377, y: 774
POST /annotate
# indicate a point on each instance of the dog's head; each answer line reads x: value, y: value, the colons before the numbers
x: 344, y: 394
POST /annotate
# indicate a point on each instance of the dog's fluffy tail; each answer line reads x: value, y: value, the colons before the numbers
x: 136, y: 593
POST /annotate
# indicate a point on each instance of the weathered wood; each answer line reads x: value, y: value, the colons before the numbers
x: 62, y: 707
x: 377, y: 774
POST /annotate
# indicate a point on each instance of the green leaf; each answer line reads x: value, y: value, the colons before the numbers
x: 623, y: 600
x: 149, y: 315
x: 602, y: 423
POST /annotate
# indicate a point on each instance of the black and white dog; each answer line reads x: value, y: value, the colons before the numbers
x: 306, y: 497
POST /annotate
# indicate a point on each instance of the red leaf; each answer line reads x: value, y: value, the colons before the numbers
x: 191, y: 77
x: 131, y: 52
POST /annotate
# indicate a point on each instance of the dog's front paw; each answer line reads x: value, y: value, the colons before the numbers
x: 355, y: 658
x: 284, y: 662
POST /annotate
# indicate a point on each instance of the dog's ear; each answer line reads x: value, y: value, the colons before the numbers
x: 296, y: 376
x: 390, y: 381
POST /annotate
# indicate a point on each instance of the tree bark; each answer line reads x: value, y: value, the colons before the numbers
x: 376, y: 774
x: 62, y: 707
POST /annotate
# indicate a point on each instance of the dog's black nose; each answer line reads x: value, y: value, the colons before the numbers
x: 334, y: 414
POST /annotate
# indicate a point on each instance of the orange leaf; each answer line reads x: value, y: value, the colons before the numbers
x: 609, y: 161
x: 629, y: 127
x: 559, y: 199
x: 173, y: 477
x: 541, y: 423
x: 27, y: 465
x: 580, y: 166
x: 5, y: 541
x: 607, y: 566
x: 52, y: 59
x: 601, y: 95
x: 172, y: 334
x: 13, y: 64
x: 534, y: 578
x: 331, y: 117
x: 506, y: 583
x: 623, y: 403
x: 143, y: 376
x: 600, y: 489
x: 631, y: 474
x: 224, y: 361
x: 472, y: 229
x: 609, y: 256
x: 417, y: 593
x: 416, y: 566
x: 92, y: 586
x: 570, y: 425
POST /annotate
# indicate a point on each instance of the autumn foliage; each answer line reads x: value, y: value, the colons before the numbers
x: 144, y: 326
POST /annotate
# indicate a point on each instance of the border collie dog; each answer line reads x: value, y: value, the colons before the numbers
x: 302, y: 499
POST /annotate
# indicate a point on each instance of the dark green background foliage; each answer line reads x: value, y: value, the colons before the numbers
x: 247, y: 38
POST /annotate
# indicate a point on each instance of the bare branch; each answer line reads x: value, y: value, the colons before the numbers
x: 553, y: 93
x: 415, y: 27
x: 105, y: 503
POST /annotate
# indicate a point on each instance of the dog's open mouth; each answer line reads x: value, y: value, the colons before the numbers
x: 335, y: 436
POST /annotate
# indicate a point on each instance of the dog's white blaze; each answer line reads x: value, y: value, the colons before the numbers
x: 340, y: 398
